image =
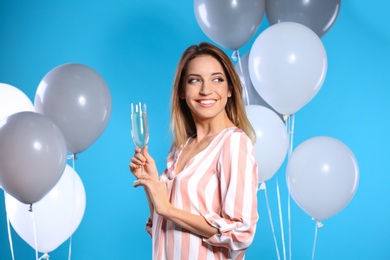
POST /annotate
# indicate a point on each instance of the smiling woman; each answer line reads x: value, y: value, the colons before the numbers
x: 206, y: 89
x: 135, y: 46
x: 204, y: 205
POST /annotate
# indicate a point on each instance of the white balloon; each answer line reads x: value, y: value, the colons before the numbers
x: 250, y: 95
x: 287, y: 66
x: 13, y: 100
x: 322, y: 176
x: 271, y: 140
x: 56, y: 216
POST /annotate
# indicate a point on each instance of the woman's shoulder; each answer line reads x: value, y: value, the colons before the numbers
x: 235, y: 134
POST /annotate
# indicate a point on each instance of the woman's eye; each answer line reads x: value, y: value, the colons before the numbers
x: 219, y: 80
x: 193, y: 80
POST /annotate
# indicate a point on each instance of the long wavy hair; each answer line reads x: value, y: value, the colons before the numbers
x: 182, y: 122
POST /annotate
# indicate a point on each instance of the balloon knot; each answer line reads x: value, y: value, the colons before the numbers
x: 235, y: 55
x: 30, y: 209
x: 319, y: 224
x: 262, y: 186
x: 45, y: 256
x: 72, y: 156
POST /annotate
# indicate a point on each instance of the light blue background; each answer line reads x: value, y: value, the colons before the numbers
x: 135, y: 46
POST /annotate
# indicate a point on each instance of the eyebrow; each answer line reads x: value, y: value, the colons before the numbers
x: 212, y: 74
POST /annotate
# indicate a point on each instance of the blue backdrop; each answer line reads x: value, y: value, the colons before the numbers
x: 135, y: 46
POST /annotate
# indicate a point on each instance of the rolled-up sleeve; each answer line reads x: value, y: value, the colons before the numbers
x: 238, y: 182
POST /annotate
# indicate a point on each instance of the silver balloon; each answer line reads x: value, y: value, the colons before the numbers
x: 32, y: 156
x: 78, y: 100
x: 318, y: 15
x: 230, y: 23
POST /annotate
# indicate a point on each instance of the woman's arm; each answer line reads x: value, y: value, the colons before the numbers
x: 139, y: 161
x: 157, y: 191
x: 238, y: 217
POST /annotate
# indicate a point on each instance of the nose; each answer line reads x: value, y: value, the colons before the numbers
x: 205, y: 89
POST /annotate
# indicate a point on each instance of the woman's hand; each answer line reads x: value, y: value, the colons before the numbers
x: 157, y: 193
x: 143, y: 163
x: 148, y: 178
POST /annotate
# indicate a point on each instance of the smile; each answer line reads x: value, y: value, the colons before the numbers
x: 207, y: 102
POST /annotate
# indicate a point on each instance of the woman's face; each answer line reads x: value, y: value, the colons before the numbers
x: 206, y: 88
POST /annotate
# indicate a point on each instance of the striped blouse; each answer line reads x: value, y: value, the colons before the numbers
x: 220, y: 184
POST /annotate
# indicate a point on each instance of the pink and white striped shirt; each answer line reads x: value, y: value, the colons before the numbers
x: 220, y: 184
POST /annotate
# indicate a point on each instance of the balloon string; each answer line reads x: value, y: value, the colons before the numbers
x: 290, y: 130
x: 35, y: 231
x: 70, y: 247
x: 263, y: 187
x: 74, y: 157
x: 244, y: 87
x: 289, y: 225
x: 318, y: 225
x: 291, y: 133
x: 280, y: 217
x: 9, y: 231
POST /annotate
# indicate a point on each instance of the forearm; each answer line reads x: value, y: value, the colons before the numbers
x: 193, y: 223
x: 151, y: 208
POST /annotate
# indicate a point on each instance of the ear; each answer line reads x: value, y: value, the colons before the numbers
x: 229, y: 93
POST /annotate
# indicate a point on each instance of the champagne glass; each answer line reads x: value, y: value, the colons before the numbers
x: 139, y: 125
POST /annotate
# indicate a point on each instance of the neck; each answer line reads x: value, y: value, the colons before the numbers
x: 211, y: 128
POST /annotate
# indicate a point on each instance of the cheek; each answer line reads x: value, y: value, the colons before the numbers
x: 223, y: 92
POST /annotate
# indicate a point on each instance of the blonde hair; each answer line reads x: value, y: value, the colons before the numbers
x: 182, y: 123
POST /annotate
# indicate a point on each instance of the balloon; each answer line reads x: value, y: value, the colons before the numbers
x: 287, y: 66
x: 250, y: 95
x: 271, y: 140
x: 78, y: 100
x: 230, y: 23
x: 318, y: 15
x: 13, y: 100
x: 322, y: 176
x: 32, y: 155
x: 56, y: 216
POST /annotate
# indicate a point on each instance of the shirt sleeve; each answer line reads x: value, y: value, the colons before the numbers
x: 238, y: 180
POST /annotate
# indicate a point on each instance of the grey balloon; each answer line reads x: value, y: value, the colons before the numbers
x: 230, y: 23
x: 318, y: 15
x: 32, y: 156
x: 78, y: 100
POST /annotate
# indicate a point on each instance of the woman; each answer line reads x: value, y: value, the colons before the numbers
x: 204, y: 205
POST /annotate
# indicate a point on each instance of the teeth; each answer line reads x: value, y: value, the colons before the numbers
x: 207, y: 102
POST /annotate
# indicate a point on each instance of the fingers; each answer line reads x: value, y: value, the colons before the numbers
x: 134, y: 166
x: 137, y: 161
x: 141, y: 181
x: 145, y: 152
